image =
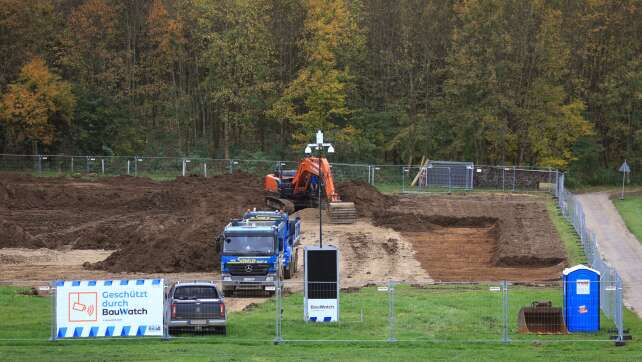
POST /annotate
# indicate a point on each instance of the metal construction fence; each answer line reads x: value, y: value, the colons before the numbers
x: 493, y: 312
x: 436, y: 176
x: 612, y: 305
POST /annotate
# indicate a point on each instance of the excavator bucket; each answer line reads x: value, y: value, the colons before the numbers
x: 342, y: 212
x: 541, y: 318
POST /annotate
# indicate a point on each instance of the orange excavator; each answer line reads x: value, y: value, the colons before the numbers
x: 292, y: 190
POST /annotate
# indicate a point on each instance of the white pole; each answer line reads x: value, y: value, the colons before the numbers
x: 183, y: 168
x: 205, y: 169
x: 102, y: 165
x: 128, y: 161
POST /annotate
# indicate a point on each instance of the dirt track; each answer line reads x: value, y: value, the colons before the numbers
x: 617, y: 245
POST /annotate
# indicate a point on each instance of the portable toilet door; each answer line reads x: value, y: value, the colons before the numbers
x: 581, y: 299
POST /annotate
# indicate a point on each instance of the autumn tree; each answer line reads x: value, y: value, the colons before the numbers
x: 505, y: 99
x: 38, y: 107
x: 548, y: 83
x: 317, y: 98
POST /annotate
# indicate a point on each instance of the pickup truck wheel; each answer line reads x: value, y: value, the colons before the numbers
x: 222, y: 330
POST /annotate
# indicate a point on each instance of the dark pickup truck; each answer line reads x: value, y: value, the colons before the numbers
x: 196, y: 307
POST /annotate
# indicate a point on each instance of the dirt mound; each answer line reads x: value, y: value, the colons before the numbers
x: 367, y: 199
x: 153, y: 226
x: 15, y: 236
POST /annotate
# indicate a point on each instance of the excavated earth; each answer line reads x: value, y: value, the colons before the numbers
x: 479, y: 237
x: 151, y: 226
x: 369, y: 199
x: 80, y: 228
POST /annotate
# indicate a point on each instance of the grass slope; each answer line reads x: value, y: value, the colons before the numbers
x: 453, y: 315
x: 631, y: 210
x: 574, y: 253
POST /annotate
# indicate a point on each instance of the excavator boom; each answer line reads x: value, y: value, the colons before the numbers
x: 300, y: 189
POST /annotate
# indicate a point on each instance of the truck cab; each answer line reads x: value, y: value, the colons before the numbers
x: 257, y: 250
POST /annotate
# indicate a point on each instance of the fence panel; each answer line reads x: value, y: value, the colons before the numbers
x: 436, y: 177
x: 611, y: 290
x: 421, y: 179
x: 363, y: 315
x: 350, y: 172
x: 449, y: 312
x: 259, y: 168
x: 388, y: 178
x: 19, y: 163
x: 530, y: 316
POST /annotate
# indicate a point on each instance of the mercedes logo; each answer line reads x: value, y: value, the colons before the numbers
x: 248, y: 268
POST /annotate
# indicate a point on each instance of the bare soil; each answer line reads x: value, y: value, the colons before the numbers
x: 38, y: 267
x: 479, y: 237
x: 368, y: 253
x: 525, y: 233
x: 125, y: 227
x: 152, y: 226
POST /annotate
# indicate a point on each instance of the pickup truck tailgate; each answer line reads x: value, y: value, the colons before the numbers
x: 197, y: 310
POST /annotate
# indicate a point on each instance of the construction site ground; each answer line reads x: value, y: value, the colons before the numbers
x: 126, y: 227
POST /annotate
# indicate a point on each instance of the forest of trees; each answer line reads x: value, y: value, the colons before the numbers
x: 549, y: 83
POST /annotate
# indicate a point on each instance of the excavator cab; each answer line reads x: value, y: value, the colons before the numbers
x: 295, y: 190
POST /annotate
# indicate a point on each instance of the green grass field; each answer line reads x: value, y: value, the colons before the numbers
x: 433, y: 323
x: 631, y: 210
x: 571, y: 240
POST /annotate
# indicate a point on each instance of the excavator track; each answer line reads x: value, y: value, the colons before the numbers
x: 277, y: 203
x: 342, y: 212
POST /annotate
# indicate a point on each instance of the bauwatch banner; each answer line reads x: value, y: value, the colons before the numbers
x: 109, y: 308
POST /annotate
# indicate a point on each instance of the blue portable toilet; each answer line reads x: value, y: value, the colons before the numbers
x: 581, y: 299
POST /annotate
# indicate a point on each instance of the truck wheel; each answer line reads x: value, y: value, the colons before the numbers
x: 228, y: 292
x: 222, y: 330
x: 286, y: 273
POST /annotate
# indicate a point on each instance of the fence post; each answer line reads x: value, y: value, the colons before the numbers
x: 135, y: 165
x: 183, y: 172
x: 505, y: 312
x: 39, y: 164
x: 449, y: 181
x: 391, y: 312
x: 166, y: 315
x: 278, y: 337
x: 102, y: 165
x: 72, y: 165
x: 54, y: 322
x: 205, y: 169
x: 514, y: 177
x: 372, y: 175
x: 128, y: 162
x: 618, y: 311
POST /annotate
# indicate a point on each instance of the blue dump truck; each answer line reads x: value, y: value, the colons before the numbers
x: 257, y: 250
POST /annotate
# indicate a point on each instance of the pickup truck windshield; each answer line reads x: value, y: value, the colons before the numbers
x: 249, y: 245
x: 195, y: 292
